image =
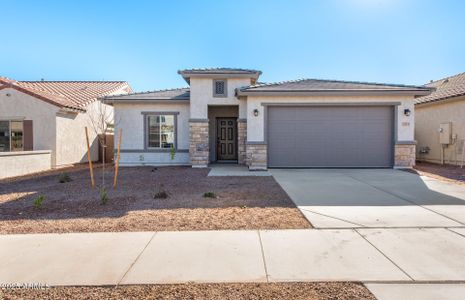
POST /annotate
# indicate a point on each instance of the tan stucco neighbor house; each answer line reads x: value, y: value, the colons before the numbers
x: 440, y: 121
x: 226, y: 115
x: 42, y: 122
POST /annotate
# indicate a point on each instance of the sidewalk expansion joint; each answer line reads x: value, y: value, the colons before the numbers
x: 462, y: 235
x: 263, y: 256
x: 137, y: 258
x: 332, y: 217
x: 382, y: 253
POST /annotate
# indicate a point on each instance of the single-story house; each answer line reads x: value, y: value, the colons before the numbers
x: 440, y: 121
x: 226, y: 115
x: 42, y: 122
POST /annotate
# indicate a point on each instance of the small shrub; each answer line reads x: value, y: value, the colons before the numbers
x: 209, y: 195
x: 103, y: 196
x: 172, y: 152
x: 39, y: 201
x: 161, y: 193
x: 64, y: 177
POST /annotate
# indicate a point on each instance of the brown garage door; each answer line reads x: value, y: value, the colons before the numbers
x: 330, y: 136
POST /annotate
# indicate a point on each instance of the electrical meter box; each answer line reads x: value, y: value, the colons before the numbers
x: 445, y: 133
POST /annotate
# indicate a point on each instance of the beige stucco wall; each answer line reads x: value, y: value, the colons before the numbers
x: 71, y: 140
x: 201, y: 95
x: 129, y: 117
x: 23, y: 106
x: 427, y: 121
x: 24, y: 162
x: 255, y: 125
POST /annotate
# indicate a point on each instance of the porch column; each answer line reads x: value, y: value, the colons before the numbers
x: 404, y: 154
x: 241, y: 139
x: 256, y: 156
x: 198, y: 147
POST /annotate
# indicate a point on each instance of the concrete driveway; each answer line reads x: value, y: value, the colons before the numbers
x: 370, y: 198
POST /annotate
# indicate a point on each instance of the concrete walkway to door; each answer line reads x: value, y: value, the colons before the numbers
x: 369, y: 198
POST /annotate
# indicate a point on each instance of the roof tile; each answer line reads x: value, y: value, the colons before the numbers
x: 68, y: 94
x: 168, y: 94
x: 446, y: 88
x: 327, y: 85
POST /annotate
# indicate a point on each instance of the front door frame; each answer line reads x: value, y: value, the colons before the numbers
x: 217, y: 125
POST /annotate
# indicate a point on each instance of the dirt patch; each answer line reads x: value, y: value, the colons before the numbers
x: 449, y: 173
x: 309, y: 291
x: 240, y: 203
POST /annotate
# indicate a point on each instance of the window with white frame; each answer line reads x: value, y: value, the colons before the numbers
x: 11, y: 136
x: 219, y: 88
x: 161, y: 131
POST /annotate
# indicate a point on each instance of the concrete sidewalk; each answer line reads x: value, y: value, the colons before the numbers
x: 367, y: 255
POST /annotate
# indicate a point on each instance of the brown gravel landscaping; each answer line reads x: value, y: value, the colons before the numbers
x: 309, y: 291
x: 442, y: 172
x: 239, y: 202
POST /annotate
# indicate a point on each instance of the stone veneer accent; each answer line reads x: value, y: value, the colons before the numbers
x: 404, y: 155
x: 241, y: 140
x: 199, y: 144
x: 256, y: 156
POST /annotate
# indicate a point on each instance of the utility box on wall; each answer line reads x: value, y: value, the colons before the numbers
x: 445, y: 133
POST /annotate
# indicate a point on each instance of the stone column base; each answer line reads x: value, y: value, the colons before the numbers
x: 404, y: 155
x: 256, y: 156
x: 241, y: 140
x: 199, y: 153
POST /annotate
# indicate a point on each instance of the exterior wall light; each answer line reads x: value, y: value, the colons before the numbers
x: 255, y: 112
x: 407, y: 112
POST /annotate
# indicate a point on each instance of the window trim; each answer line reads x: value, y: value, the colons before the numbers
x: 9, y: 133
x: 225, y: 88
x: 148, y: 114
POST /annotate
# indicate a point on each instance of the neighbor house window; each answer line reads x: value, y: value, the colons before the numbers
x: 219, y: 88
x: 11, y: 136
x: 161, y: 131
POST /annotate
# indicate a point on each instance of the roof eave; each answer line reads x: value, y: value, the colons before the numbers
x: 413, y: 92
x: 40, y: 97
x: 443, y: 99
x: 221, y: 75
x: 123, y: 100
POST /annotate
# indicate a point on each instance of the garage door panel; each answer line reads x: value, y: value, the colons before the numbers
x: 330, y: 136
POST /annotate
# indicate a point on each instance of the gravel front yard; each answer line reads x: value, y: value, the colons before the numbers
x: 309, y: 291
x: 442, y: 172
x: 240, y: 203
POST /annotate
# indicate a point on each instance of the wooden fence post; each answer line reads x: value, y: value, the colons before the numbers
x: 89, y: 158
x: 117, y: 157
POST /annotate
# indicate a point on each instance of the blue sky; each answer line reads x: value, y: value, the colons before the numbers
x: 146, y: 42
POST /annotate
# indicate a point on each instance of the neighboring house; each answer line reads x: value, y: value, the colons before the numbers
x: 226, y: 116
x: 51, y: 116
x: 440, y: 121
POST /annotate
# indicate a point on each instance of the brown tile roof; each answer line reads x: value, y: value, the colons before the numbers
x: 67, y: 94
x: 322, y: 85
x: 168, y: 94
x: 446, y: 88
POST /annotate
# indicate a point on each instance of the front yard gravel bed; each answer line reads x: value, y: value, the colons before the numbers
x: 240, y: 202
x: 295, y: 291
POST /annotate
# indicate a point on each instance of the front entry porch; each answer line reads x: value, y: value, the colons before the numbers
x: 221, y: 138
x: 226, y: 135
